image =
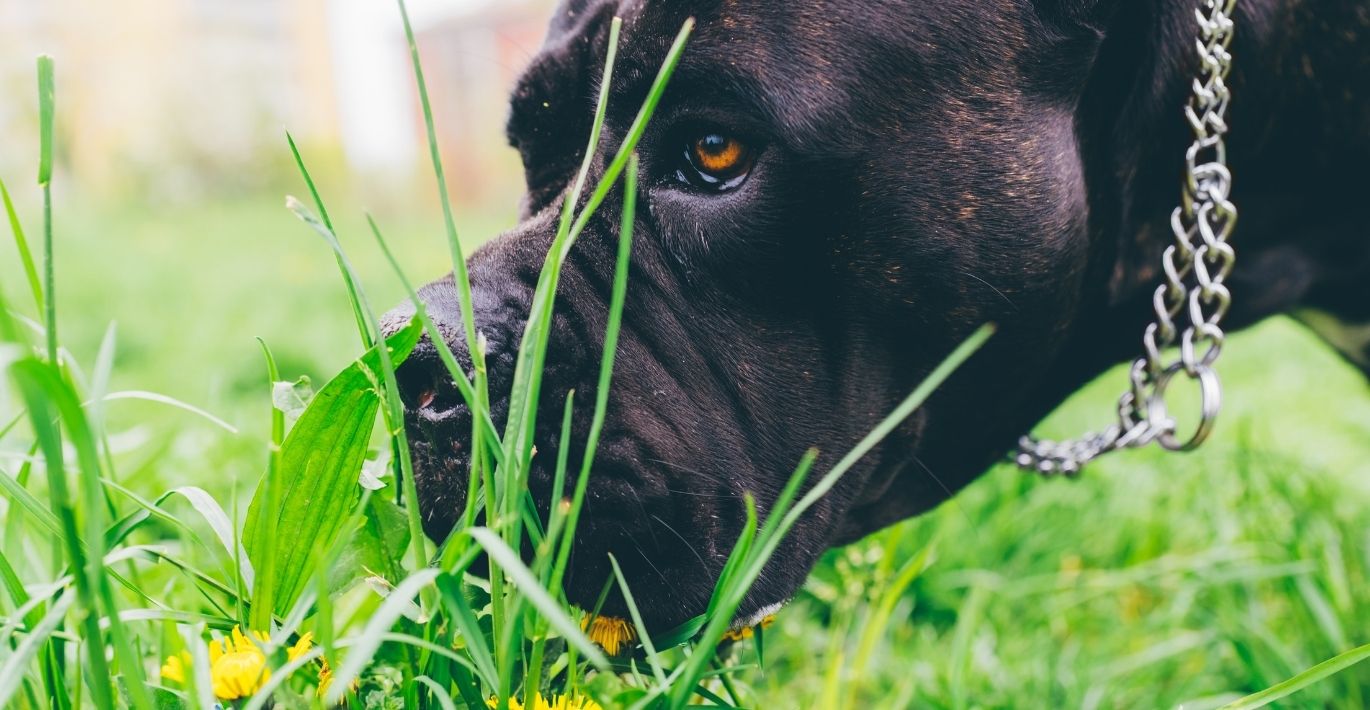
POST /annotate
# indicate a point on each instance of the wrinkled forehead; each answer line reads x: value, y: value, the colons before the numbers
x: 802, y: 66
x: 809, y: 66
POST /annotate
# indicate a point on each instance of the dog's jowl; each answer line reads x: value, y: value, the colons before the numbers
x: 833, y: 195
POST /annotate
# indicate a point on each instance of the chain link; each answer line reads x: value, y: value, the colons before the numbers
x: 1196, y: 266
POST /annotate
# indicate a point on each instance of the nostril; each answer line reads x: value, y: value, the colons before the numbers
x: 427, y: 390
x: 418, y: 384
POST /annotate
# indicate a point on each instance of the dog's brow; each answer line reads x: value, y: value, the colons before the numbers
x: 699, y: 81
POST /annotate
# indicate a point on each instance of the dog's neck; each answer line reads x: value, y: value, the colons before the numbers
x: 1300, y: 122
x: 1300, y: 141
x: 1298, y: 148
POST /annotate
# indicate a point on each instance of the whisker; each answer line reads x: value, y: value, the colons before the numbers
x: 720, y: 496
x: 992, y: 287
x: 651, y: 564
x: 643, y: 508
x: 688, y: 545
x: 951, y: 499
x: 695, y: 472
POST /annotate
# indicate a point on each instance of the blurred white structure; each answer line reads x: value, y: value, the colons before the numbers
x: 174, y: 94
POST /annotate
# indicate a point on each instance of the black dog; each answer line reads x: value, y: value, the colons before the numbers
x: 834, y: 195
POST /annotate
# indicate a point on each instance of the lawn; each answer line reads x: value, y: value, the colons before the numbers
x: 1152, y: 581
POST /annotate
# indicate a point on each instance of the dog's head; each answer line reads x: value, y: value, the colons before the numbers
x: 833, y: 196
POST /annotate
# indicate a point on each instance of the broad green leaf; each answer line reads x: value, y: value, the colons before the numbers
x: 376, y: 547
x: 320, y: 461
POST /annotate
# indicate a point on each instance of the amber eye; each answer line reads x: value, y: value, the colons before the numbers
x: 716, y: 161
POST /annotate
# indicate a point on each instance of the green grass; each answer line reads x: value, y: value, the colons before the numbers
x: 1154, y: 581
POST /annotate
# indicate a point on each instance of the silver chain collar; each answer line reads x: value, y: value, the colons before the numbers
x: 1196, y: 265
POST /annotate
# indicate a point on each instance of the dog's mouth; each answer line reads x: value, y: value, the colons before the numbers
x: 663, y: 543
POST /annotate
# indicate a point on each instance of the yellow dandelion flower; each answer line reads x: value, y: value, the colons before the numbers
x: 237, y: 666
x: 611, y: 633
x: 175, y: 667
x: 556, y: 702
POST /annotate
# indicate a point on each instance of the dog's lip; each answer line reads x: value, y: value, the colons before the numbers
x: 430, y: 407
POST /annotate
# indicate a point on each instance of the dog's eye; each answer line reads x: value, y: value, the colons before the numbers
x: 716, y: 161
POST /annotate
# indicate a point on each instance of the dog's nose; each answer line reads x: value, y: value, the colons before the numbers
x: 426, y: 386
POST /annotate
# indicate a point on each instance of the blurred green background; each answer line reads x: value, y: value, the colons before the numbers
x: 1153, y: 581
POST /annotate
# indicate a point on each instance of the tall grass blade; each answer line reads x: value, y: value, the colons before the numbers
x: 47, y: 393
x: 643, y: 636
x: 779, y: 522
x: 369, y: 641
x: 22, y: 244
x: 440, y: 694
x: 552, y: 612
x: 12, y: 673
x: 264, y: 591
x: 449, y: 359
x: 1313, y: 675
x: 171, y: 402
x: 363, y: 330
x: 46, y: 101
x: 459, y: 272
x: 461, y: 614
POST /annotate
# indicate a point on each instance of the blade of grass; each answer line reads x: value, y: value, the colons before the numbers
x: 22, y: 244
x: 264, y: 591
x: 47, y: 393
x: 1313, y: 675
x: 46, y: 101
x: 449, y: 360
x: 459, y: 272
x: 459, y: 610
x: 606, y: 365
x: 779, y: 522
x: 878, y: 623
x: 552, y: 612
x: 13, y: 671
x: 363, y: 330
x: 201, y: 678
x: 371, y: 638
x: 440, y: 694
x: 644, y: 637
x: 504, y: 491
x: 171, y: 402
x: 19, y: 496
x: 533, y: 350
